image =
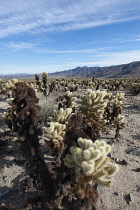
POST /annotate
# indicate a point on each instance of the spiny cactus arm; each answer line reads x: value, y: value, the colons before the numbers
x: 60, y: 129
x: 84, y: 143
x: 68, y: 112
x: 95, y: 153
x: 91, y: 153
x: 108, y: 149
x: 99, y: 97
x: 55, y: 141
x: 55, y: 131
x: 99, y: 174
x: 99, y: 161
x: 111, y: 169
x: 82, y: 101
x: 89, y: 99
x: 69, y: 162
x: 102, y: 146
x: 117, y: 103
x: 100, y: 106
x: 88, y: 167
x: 102, y: 163
x: 120, y: 96
x: 61, y: 116
x: 104, y: 182
x: 119, y: 121
x: 13, y: 81
x: 100, y: 112
x: 108, y: 96
x: 77, y: 156
x: 68, y: 94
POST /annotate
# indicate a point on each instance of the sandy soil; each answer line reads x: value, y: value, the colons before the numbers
x: 125, y: 193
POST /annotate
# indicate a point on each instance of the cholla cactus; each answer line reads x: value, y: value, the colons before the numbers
x: 44, y: 80
x: 118, y: 103
x: 93, y: 78
x: 120, y: 96
x: 93, y: 99
x: 68, y: 94
x: 14, y: 81
x: 62, y: 115
x: 92, y: 106
x: 133, y: 87
x: 45, y: 74
x: 73, y: 103
x: 117, y: 107
x: 67, y: 101
x: 108, y: 96
x: 114, y: 105
x: 92, y: 161
x: 55, y: 132
x: 11, y: 84
x: 119, y: 123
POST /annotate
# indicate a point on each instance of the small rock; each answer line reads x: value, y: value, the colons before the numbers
x: 138, y: 188
x: 129, y: 198
x: 116, y: 193
x: 133, y: 151
x: 123, y: 162
x: 137, y: 169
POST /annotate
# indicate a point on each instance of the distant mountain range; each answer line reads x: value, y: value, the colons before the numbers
x: 119, y: 71
x: 125, y: 70
x: 17, y: 75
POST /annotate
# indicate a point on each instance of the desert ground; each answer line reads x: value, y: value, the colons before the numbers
x: 17, y: 191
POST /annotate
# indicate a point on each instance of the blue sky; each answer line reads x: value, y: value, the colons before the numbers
x: 55, y: 35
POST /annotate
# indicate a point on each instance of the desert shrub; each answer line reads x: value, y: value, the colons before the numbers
x: 47, y: 104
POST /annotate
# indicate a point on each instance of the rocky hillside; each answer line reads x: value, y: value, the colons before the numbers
x: 119, y: 71
x: 124, y: 70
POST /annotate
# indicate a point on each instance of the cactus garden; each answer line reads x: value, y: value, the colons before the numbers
x: 69, y: 144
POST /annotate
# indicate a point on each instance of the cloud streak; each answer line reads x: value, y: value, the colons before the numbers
x: 76, y: 51
x: 39, y: 16
x: 21, y: 45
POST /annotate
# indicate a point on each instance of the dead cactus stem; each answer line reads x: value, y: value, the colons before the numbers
x: 27, y: 126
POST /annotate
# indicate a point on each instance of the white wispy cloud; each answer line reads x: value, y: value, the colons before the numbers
x: 76, y: 51
x: 38, y: 16
x: 127, y: 40
x: 21, y: 45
